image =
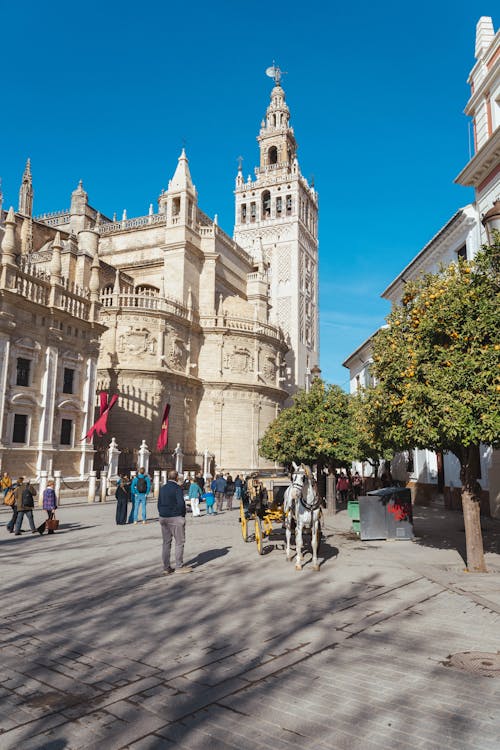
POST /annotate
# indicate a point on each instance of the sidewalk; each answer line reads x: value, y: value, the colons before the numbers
x: 100, y: 650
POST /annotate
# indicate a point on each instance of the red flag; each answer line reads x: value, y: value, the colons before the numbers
x: 161, y: 443
x: 101, y: 425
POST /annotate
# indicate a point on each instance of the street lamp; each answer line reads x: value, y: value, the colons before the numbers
x: 491, y: 221
x: 315, y: 373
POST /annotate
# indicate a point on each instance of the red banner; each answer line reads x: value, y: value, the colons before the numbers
x: 100, y: 426
x: 161, y: 443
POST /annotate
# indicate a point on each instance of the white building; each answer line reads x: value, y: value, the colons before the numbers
x: 462, y: 236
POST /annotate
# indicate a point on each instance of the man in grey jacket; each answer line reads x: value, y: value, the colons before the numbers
x: 172, y: 513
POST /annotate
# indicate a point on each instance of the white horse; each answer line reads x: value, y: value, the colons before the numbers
x: 301, y: 503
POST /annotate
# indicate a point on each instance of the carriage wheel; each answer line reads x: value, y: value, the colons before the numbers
x: 243, y: 522
x: 259, y: 535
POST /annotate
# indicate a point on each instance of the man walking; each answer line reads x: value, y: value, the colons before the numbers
x: 220, y: 491
x: 172, y: 512
x: 24, y: 494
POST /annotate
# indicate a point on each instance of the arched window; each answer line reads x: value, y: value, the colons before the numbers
x: 266, y: 204
x: 272, y: 155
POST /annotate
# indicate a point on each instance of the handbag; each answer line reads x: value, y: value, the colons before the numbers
x: 52, y: 524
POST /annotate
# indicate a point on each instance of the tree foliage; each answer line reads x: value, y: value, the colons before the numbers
x: 436, y: 363
x: 316, y: 428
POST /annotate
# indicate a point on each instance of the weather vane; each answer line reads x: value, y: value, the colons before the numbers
x: 275, y: 72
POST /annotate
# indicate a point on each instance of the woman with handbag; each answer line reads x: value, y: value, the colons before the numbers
x: 49, y: 504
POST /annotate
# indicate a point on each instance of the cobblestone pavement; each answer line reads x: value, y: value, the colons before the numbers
x: 100, y: 650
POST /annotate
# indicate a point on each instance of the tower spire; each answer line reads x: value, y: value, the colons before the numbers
x: 26, y: 192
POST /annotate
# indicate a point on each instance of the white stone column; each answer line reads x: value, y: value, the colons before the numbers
x: 178, y: 456
x: 92, y: 486
x: 48, y: 391
x: 207, y: 457
x: 164, y: 476
x: 156, y: 484
x: 88, y: 397
x: 143, y: 457
x: 4, y: 367
x: 103, y: 489
x: 113, y: 458
x: 41, y: 486
x: 57, y: 486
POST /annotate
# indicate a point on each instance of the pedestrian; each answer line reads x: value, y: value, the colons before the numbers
x: 24, y: 494
x: 229, y: 492
x: 201, y: 481
x: 5, y: 483
x: 209, y: 500
x: 238, y: 486
x: 194, y: 495
x: 49, y: 503
x: 122, y: 495
x: 141, y: 487
x: 357, y: 484
x: 343, y: 487
x: 10, y: 499
x: 220, y: 491
x: 172, y: 513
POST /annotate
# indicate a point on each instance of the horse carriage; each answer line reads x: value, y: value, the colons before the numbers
x: 261, y: 506
x: 296, y: 505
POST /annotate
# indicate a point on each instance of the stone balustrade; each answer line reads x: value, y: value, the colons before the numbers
x: 144, y: 301
x: 247, y: 325
x: 112, y: 227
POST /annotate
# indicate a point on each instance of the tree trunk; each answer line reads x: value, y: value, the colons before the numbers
x: 471, y: 489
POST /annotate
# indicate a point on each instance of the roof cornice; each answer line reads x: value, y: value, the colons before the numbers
x: 482, y: 162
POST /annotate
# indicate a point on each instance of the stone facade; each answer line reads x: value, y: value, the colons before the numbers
x: 187, y: 315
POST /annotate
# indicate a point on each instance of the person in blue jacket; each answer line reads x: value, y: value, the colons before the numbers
x: 140, y: 489
x: 172, y: 513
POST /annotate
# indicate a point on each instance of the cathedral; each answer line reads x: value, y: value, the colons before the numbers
x: 163, y: 310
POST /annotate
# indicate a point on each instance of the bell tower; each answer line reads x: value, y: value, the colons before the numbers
x: 277, y: 214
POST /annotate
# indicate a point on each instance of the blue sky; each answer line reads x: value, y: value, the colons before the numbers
x: 109, y: 92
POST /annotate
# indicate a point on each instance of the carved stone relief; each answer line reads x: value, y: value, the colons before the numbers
x: 137, y: 341
x: 239, y: 361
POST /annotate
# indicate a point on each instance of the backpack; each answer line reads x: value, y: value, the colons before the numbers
x: 9, y: 498
x: 27, y: 498
x: 142, y: 485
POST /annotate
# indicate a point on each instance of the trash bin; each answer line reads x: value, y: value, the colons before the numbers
x: 386, y: 514
x: 353, y: 513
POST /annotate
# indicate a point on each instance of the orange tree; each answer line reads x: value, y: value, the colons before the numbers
x: 317, y: 428
x: 370, y: 444
x: 436, y: 367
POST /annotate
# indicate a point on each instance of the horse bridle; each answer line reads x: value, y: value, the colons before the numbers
x: 309, y: 507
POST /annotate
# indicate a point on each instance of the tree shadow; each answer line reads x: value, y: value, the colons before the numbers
x: 207, y: 556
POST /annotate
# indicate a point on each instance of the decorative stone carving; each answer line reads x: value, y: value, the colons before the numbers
x: 269, y: 368
x: 177, y: 354
x: 137, y: 341
x: 240, y: 360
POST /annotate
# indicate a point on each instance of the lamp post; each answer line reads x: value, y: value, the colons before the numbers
x: 491, y: 221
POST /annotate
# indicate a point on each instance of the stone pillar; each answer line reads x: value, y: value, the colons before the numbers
x: 103, y: 489
x: 92, y: 486
x: 156, y: 484
x: 113, y: 457
x: 88, y: 397
x: 41, y: 487
x: 164, y: 476
x: 57, y: 485
x: 178, y: 456
x: 48, y: 391
x: 330, y: 494
x: 4, y: 367
x: 143, y: 457
x: 207, y: 458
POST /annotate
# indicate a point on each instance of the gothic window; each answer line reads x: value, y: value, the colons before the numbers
x: 279, y: 202
x: 272, y: 155
x: 68, y: 380
x: 66, y: 429
x: 266, y: 204
x: 253, y: 211
x: 243, y: 213
x: 176, y: 206
x: 20, y: 430
x: 288, y: 205
x: 23, y: 371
